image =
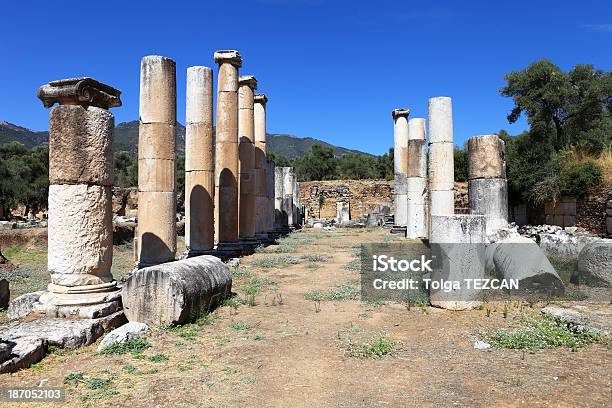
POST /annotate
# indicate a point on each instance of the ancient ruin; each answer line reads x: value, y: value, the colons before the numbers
x: 262, y: 202
x: 226, y: 154
x: 416, y: 180
x: 400, y: 166
x: 156, y: 231
x: 199, y: 163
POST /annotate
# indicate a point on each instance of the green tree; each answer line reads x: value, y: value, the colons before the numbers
x: 279, y: 161
x: 460, y: 157
x: 354, y: 166
x: 126, y: 170
x: 318, y: 163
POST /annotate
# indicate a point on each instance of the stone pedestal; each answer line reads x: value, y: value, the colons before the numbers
x: 282, y: 202
x: 416, y: 181
x: 441, y: 160
x: 156, y: 232
x: 261, y: 170
x: 343, y: 212
x: 400, y: 165
x: 80, y: 229
x: 226, y: 158
x: 288, y: 205
x: 246, y: 156
x: 487, y: 184
x: 199, y: 163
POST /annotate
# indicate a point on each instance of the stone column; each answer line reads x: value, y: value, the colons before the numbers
x: 156, y: 231
x: 400, y: 166
x: 199, y: 163
x: 261, y: 169
x: 416, y: 181
x: 441, y: 162
x: 280, y: 213
x: 288, y: 179
x: 246, y: 156
x: 226, y: 159
x: 271, y: 202
x: 487, y: 184
x: 80, y: 228
x: 297, y: 203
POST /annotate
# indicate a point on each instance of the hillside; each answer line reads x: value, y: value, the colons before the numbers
x: 126, y: 138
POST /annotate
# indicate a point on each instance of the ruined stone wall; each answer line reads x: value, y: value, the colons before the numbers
x: 364, y: 196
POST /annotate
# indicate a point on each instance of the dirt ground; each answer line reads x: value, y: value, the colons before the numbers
x: 288, y: 351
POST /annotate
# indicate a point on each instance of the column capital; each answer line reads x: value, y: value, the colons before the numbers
x: 261, y: 98
x: 248, y: 80
x: 83, y: 91
x: 400, y: 112
x: 228, y: 56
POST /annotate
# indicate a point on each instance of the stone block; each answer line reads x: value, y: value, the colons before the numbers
x: 199, y: 147
x: 156, y: 230
x: 199, y: 210
x: 401, y: 209
x: 441, y: 202
x: 199, y: 97
x: 156, y: 141
x: 569, y: 220
x: 489, y: 197
x: 176, y: 292
x: 156, y: 175
x: 441, y: 166
x: 417, y: 158
x: 440, y: 120
x: 81, y: 145
x: 609, y: 225
x: 129, y: 331
x: 458, y: 229
x: 157, y: 90
x: 416, y: 129
x: 22, y: 305
x: 80, y: 231
x: 486, y: 157
x: 5, y: 294
x: 595, y: 262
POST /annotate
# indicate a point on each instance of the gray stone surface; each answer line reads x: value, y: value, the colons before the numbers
x: 517, y: 257
x: 595, y: 261
x: 582, y: 318
x: 29, y: 340
x: 129, y: 331
x: 176, y: 292
x: 457, y: 229
x: 21, y: 306
x: 489, y: 197
x: 5, y: 294
x: 561, y: 245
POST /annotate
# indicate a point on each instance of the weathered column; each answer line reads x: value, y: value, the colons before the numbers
x: 80, y: 228
x: 261, y: 169
x: 199, y: 163
x: 487, y: 184
x: 226, y: 158
x: 297, y: 203
x: 246, y: 156
x: 280, y: 213
x: 156, y: 231
x: 400, y: 166
x: 441, y: 162
x: 416, y: 181
x: 271, y: 200
x: 288, y: 179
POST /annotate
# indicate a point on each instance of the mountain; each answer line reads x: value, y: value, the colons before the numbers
x: 126, y: 138
x: 30, y: 138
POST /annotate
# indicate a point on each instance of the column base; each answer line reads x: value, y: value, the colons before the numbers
x: 264, y: 239
x: 80, y: 302
x: 398, y: 229
x: 192, y: 253
x: 249, y: 245
x: 228, y: 250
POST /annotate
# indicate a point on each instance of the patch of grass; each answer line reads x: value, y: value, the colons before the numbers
x: 74, y: 378
x: 98, y: 388
x: 253, y: 287
x: 258, y: 337
x: 134, y: 346
x: 129, y: 368
x: 187, y: 331
x: 354, y: 265
x: 240, y: 326
x: 315, y: 258
x: 223, y: 341
x: 159, y: 358
x: 376, y: 347
x: 345, y: 291
x: 241, y: 272
x: 273, y: 262
x: 540, y: 333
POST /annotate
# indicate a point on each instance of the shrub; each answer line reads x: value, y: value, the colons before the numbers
x: 576, y: 179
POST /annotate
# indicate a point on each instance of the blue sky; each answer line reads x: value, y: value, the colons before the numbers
x: 333, y: 70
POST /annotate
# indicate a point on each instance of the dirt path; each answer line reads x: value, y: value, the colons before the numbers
x: 287, y: 351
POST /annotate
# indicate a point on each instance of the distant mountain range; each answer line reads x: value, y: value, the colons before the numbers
x: 126, y: 138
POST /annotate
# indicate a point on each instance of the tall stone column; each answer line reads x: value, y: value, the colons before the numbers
x: 80, y: 228
x: 487, y: 184
x: 400, y: 166
x: 199, y: 163
x: 261, y: 169
x: 226, y: 158
x: 156, y: 231
x: 288, y: 180
x: 280, y: 214
x: 441, y: 161
x: 416, y: 181
x: 246, y: 156
x: 272, y: 230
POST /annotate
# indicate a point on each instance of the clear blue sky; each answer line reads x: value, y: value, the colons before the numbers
x: 333, y: 70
